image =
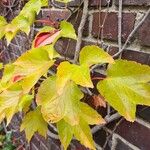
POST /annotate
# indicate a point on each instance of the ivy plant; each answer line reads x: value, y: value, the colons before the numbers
x: 59, y: 97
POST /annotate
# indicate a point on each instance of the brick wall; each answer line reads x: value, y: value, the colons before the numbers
x: 127, y: 136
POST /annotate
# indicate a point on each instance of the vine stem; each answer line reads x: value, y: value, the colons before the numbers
x: 132, y: 33
x: 80, y: 30
x: 120, y: 25
x: 108, y: 119
x: 98, y: 78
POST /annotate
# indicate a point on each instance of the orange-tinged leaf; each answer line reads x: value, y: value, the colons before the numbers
x: 17, y: 78
x: 31, y: 66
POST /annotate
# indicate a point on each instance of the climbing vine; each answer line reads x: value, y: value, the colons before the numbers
x: 59, y: 95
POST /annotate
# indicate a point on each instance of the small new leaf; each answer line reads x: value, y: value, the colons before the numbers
x: 126, y: 86
x: 67, y: 30
x: 34, y: 122
x: 79, y: 74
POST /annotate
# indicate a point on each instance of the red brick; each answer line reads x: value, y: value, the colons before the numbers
x: 54, y: 14
x: 76, y: 3
x: 135, y: 2
x: 140, y: 57
x: 135, y: 133
x: 75, y: 19
x: 144, y: 33
x: 97, y: 2
x: 71, y: 4
x: 111, y: 25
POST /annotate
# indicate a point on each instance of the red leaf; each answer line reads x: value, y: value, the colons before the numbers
x: 46, y: 38
x: 17, y: 78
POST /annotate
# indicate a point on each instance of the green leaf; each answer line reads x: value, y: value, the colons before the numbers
x: 9, y: 100
x: 67, y: 30
x: 67, y: 105
x: 25, y: 102
x: 65, y: 132
x: 64, y: 1
x: 67, y: 72
x: 22, y: 22
x: 90, y: 115
x: 91, y: 55
x: 52, y: 105
x: 6, y: 81
x: 32, y: 65
x: 82, y: 133
x: 10, y: 32
x: 32, y: 6
x: 44, y: 2
x: 34, y: 122
x: 1, y: 65
x: 3, y: 23
x: 126, y: 86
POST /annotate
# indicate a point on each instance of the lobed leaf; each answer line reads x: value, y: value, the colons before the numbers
x: 34, y: 122
x: 81, y: 132
x: 32, y: 65
x: 71, y: 115
x: 79, y: 74
x: 126, y: 86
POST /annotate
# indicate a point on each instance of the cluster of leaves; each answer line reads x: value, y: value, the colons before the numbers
x: 6, y: 141
x: 23, y: 21
x: 59, y: 96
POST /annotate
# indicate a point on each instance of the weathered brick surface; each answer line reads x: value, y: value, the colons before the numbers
x: 98, y: 2
x: 55, y: 15
x: 132, y: 131
x: 110, y: 30
x: 134, y: 2
x: 144, y: 32
x: 76, y: 3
